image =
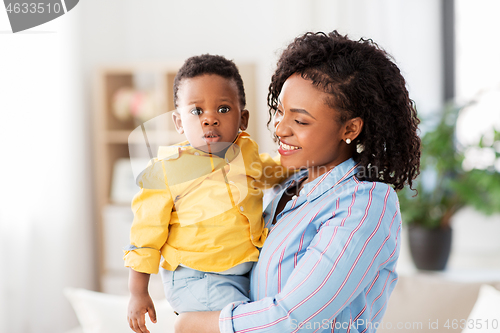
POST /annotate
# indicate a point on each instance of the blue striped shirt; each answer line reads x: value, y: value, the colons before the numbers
x: 328, y: 264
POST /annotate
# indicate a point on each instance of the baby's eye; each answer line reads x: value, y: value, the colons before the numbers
x: 196, y: 111
x: 224, y: 109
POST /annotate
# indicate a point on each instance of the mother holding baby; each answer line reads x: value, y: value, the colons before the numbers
x: 343, y: 118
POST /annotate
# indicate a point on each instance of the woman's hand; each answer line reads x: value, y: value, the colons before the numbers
x: 196, y: 322
x: 138, y: 306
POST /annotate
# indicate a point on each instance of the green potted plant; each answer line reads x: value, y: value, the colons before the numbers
x: 443, y: 188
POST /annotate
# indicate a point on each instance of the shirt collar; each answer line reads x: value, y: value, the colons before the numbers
x: 174, y: 151
x: 328, y: 180
x: 295, y: 177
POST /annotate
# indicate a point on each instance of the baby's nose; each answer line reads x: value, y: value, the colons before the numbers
x: 210, y: 120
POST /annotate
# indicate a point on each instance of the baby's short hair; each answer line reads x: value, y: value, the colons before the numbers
x: 210, y: 64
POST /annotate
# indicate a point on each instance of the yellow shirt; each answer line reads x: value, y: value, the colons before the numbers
x: 201, y: 210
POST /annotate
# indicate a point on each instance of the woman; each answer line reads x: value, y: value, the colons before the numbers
x: 342, y: 115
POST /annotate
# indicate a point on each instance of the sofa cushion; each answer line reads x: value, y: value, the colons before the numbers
x: 485, y: 315
x: 427, y: 303
x: 105, y: 313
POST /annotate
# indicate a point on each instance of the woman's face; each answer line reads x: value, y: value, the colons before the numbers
x: 310, y: 135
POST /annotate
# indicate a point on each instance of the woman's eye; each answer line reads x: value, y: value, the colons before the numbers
x: 196, y: 111
x: 300, y: 122
x: 223, y: 109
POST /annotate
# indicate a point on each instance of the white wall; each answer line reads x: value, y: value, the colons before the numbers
x: 478, y: 53
x: 410, y: 32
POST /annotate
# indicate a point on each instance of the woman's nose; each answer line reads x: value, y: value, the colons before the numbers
x: 280, y: 126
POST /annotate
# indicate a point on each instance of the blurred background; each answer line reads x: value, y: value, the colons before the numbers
x: 63, y: 142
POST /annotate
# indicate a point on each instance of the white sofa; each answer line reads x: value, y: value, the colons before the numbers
x: 106, y: 313
x: 442, y: 303
x: 419, y: 303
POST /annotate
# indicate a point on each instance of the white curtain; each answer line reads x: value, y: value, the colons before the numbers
x: 45, y: 218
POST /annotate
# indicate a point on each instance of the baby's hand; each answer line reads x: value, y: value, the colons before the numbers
x: 138, y: 306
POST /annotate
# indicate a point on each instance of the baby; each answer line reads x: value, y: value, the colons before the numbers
x: 200, y: 203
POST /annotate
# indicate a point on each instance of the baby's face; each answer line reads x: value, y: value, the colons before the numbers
x: 209, y: 112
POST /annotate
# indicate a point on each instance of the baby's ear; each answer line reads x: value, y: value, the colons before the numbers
x: 176, y: 117
x: 244, y: 119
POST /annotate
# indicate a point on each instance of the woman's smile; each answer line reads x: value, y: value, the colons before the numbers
x: 286, y: 149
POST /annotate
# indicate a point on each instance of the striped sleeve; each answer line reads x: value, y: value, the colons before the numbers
x: 334, y: 280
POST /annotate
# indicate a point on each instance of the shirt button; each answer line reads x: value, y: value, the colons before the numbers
x: 196, y: 153
x: 241, y: 208
x: 227, y: 160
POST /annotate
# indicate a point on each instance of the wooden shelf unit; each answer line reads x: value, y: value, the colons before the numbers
x: 111, y: 144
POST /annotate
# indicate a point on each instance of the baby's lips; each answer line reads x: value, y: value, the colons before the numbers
x: 211, y: 134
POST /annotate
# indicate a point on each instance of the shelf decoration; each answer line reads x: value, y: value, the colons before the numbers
x: 136, y: 104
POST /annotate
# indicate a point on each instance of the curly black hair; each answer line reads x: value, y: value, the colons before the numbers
x: 364, y: 82
x: 210, y: 64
